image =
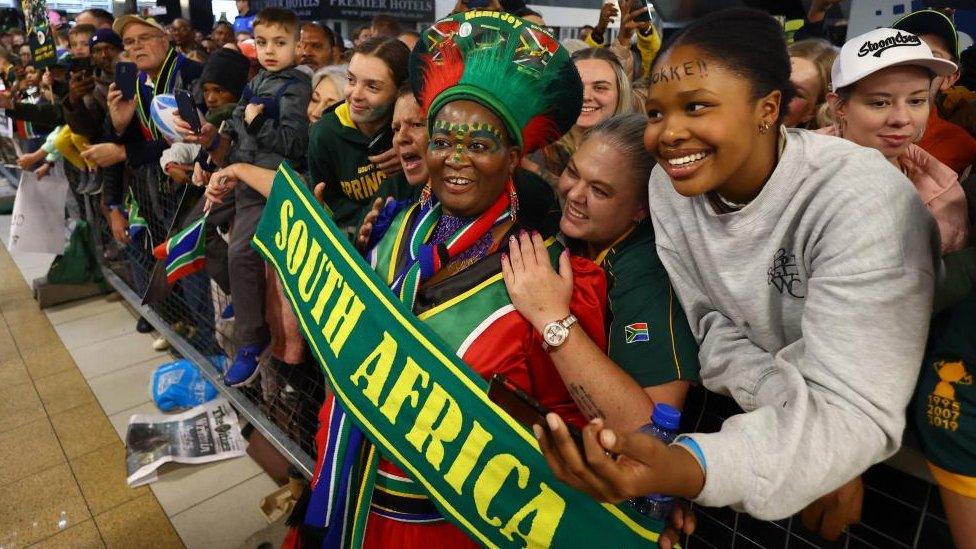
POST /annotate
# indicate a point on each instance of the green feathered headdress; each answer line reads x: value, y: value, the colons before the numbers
x: 509, y: 65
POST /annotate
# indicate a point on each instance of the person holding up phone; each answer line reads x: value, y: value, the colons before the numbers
x: 131, y: 137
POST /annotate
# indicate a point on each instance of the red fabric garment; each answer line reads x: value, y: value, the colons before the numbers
x: 511, y: 346
x: 948, y: 143
x: 386, y: 533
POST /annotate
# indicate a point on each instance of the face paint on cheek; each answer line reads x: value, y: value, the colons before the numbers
x: 378, y: 112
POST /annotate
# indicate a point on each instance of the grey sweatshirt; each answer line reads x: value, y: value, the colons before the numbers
x: 811, y: 305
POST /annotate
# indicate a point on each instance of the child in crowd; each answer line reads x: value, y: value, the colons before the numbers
x: 223, y: 80
x: 78, y: 39
x: 269, y: 125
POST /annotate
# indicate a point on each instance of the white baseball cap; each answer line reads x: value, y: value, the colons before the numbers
x: 879, y: 49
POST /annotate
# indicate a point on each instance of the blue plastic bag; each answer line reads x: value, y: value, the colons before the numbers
x: 179, y: 385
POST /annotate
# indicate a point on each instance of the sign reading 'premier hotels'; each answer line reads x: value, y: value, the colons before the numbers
x: 404, y: 10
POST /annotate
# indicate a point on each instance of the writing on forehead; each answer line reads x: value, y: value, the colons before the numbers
x: 477, y: 129
x: 674, y: 73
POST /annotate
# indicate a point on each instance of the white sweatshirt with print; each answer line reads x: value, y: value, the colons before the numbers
x: 811, y: 305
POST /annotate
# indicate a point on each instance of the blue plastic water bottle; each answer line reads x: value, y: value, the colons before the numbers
x: 664, y: 426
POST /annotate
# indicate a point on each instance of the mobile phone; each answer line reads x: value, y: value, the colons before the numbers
x: 643, y: 17
x: 187, y: 109
x: 381, y: 142
x: 80, y: 64
x: 125, y: 78
x: 525, y: 409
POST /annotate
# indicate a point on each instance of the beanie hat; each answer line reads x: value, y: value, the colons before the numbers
x: 105, y: 36
x: 509, y: 65
x: 228, y: 68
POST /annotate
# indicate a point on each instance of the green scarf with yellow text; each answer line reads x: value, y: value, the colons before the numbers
x: 417, y: 401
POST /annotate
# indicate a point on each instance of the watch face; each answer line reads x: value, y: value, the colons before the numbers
x: 554, y: 334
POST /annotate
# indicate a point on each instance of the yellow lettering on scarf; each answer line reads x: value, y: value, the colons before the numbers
x: 285, y: 214
x: 306, y: 286
x: 332, y: 279
x: 297, y: 246
x: 467, y: 458
x: 492, y: 478
x: 403, y: 389
x: 438, y: 403
x: 382, y: 360
x: 342, y: 319
x: 548, y: 508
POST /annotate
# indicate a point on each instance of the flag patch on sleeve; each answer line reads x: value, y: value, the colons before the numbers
x: 636, y: 332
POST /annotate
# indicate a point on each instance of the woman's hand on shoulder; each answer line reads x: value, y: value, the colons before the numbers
x: 538, y: 292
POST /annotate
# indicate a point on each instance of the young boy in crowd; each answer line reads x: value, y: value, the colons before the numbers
x: 269, y: 125
x: 223, y: 79
x: 78, y: 41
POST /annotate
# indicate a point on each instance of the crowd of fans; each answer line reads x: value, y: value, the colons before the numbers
x: 803, y: 245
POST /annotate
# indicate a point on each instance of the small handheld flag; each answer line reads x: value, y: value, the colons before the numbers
x: 184, y: 252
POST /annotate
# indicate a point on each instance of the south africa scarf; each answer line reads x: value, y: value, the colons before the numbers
x: 349, y: 466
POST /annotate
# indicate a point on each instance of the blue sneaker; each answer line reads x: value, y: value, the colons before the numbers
x: 245, y: 367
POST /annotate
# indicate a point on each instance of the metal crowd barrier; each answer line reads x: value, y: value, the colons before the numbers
x: 900, y: 510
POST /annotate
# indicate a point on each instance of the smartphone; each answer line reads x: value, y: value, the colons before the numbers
x: 80, y: 64
x: 525, y: 409
x: 646, y: 16
x: 187, y: 109
x: 381, y: 142
x: 125, y: 79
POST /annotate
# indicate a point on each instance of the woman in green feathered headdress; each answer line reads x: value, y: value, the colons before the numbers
x: 493, y: 88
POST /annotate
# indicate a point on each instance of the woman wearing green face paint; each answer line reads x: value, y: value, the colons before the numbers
x: 339, y: 141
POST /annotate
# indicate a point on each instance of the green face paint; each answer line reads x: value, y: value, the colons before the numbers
x: 459, y: 133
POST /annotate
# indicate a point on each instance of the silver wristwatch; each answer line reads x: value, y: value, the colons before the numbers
x: 555, y: 333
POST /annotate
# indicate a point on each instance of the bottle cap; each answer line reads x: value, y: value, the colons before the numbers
x: 666, y: 416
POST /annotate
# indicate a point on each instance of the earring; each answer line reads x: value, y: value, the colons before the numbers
x: 764, y: 127
x: 514, y: 204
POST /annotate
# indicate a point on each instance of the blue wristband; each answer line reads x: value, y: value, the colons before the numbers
x: 694, y: 449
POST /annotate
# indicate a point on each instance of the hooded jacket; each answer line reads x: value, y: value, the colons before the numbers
x: 337, y: 157
x: 272, y: 136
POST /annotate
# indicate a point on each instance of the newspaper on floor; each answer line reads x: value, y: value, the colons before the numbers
x: 203, y: 434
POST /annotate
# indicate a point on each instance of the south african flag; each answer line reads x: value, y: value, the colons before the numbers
x: 183, y: 252
x: 636, y: 332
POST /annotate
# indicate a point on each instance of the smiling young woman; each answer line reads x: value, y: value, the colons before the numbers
x: 606, y: 92
x: 338, y: 143
x: 883, y: 103
x: 805, y: 265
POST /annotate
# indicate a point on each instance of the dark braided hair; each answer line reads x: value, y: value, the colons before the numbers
x: 747, y: 42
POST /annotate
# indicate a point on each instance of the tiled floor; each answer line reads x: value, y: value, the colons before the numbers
x: 70, y: 377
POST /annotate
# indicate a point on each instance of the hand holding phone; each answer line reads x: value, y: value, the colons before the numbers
x: 187, y: 109
x: 523, y: 408
x: 126, y: 74
x: 643, y: 17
